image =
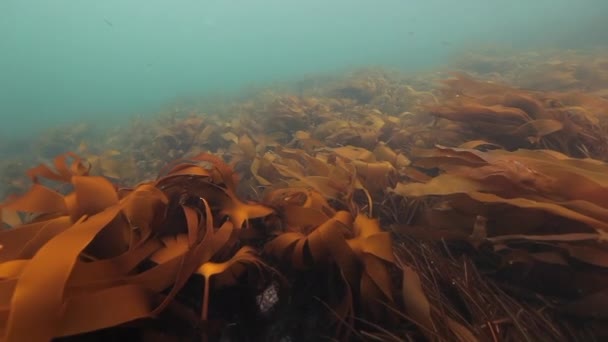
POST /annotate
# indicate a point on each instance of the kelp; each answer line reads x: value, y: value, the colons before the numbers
x: 383, y: 208
x: 95, y: 244
x: 101, y: 237
x: 512, y: 118
x: 544, y: 70
x: 537, y: 208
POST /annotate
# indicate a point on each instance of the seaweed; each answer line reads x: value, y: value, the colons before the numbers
x: 381, y: 206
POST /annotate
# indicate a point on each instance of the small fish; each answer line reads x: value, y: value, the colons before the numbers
x: 108, y: 22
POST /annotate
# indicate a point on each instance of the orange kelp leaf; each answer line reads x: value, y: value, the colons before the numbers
x: 64, y: 172
x: 550, y: 163
x: 283, y: 244
x: 247, y: 146
x: 384, y: 153
x: 315, y: 166
x: 288, y: 243
x: 330, y: 240
x: 299, y: 197
x: 301, y: 218
x: 143, y: 207
x: 415, y: 301
x: 228, y: 271
x: 415, y: 175
x: 305, y: 141
x: 188, y: 169
x: 547, y: 207
x: 10, y: 270
x: 543, y: 163
x: 104, y: 309
x: 478, y: 143
x: 182, y: 253
x: 290, y: 169
x: 192, y: 224
x: 447, y: 184
x: 373, y: 248
x: 444, y: 184
x: 316, y: 201
x: 371, y: 296
x: 287, y: 196
x: 49, y: 230
x: 546, y: 173
x: 376, y: 176
x: 227, y: 175
x: 431, y: 158
x: 256, y: 165
x: 175, y: 187
x: 470, y: 111
x: 229, y: 136
x: 109, y: 272
x: 319, y: 242
x: 93, y: 194
x: 378, y: 274
x: 51, y: 266
x: 239, y: 212
x: 196, y: 251
x: 295, y: 245
x: 539, y: 128
x: 39, y: 199
x: 369, y: 238
x: 215, y: 242
x: 355, y: 153
x: 10, y: 217
x: 300, y: 208
x: 174, y: 246
x: 329, y: 188
x: 26, y: 239
x: 509, y: 177
x: 188, y: 166
x: 176, y: 263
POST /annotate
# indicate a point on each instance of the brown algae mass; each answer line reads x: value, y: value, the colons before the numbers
x: 470, y: 206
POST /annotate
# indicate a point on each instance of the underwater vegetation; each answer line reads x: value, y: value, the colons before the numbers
x: 375, y: 206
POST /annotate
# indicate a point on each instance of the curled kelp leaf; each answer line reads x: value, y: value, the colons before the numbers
x: 227, y: 273
x: 356, y: 245
x: 63, y: 171
x: 105, y: 236
x: 219, y: 182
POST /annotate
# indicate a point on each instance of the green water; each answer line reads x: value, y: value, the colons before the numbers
x: 103, y: 61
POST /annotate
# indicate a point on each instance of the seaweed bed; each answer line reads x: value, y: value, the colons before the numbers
x: 376, y: 205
